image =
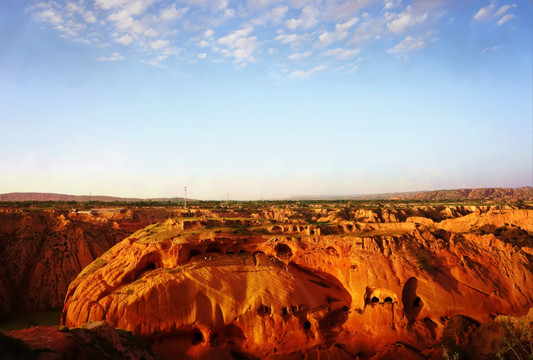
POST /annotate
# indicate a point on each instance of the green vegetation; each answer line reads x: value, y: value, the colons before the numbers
x: 23, y: 321
x: 517, y: 340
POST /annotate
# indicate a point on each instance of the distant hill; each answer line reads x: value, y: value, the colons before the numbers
x: 495, y: 194
x: 500, y: 194
x: 32, y: 196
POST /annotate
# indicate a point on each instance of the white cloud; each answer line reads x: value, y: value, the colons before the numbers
x: 154, y: 62
x: 391, y: 4
x: 301, y: 74
x: 50, y: 16
x: 239, y: 45
x: 109, y: 4
x: 158, y: 44
x: 369, y: 31
x: 89, y: 16
x: 275, y: 15
x: 114, y: 57
x: 308, y: 19
x: 504, y: 9
x: 171, y: 50
x: 203, y: 43
x: 341, y: 31
x: 341, y: 54
x: 338, y: 10
x: 254, y: 6
x: 171, y: 13
x: 299, y: 56
x: 489, y: 13
x: 400, y: 22
x: 293, y: 39
x: 311, y: 28
x: 494, y: 48
x: 505, y: 18
x: 485, y: 12
x: 124, y: 39
x: 408, y: 45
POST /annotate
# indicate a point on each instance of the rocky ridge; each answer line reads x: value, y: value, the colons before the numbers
x: 316, y: 282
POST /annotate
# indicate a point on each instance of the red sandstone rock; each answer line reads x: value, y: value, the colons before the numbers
x: 96, y: 340
x: 284, y: 289
x: 42, y: 251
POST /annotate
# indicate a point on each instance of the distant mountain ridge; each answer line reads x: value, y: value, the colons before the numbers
x: 522, y: 193
x: 34, y: 196
x: 503, y: 194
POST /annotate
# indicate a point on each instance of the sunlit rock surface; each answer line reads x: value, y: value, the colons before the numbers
x: 317, y: 283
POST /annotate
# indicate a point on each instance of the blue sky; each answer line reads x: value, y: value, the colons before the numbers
x: 264, y: 98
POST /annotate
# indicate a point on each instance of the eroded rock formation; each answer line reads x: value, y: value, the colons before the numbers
x: 339, y: 285
x: 42, y: 251
x: 96, y: 340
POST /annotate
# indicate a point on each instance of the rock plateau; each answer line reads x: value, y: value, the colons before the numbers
x: 402, y: 283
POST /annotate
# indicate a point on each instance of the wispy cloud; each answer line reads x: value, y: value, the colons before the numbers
x: 307, y: 20
x: 341, y: 54
x: 289, y: 32
x: 239, y: 45
x: 492, y: 12
x: 505, y: 18
x: 114, y: 57
x: 341, y: 31
x: 299, y: 56
x: 407, y: 45
x: 301, y: 74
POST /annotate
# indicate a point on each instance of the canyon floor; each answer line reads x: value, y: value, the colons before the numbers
x: 272, y: 280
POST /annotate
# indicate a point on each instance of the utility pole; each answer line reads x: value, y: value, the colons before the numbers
x: 185, y: 198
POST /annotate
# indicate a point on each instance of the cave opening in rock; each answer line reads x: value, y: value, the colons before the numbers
x: 388, y: 299
x: 197, y: 337
x: 412, y: 304
x: 283, y: 250
x: 213, y: 250
x: 307, y: 325
x: 263, y: 310
x: 375, y: 299
x: 194, y: 253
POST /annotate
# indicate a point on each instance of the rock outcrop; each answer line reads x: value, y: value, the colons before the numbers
x: 42, y: 251
x: 330, y: 287
x: 96, y: 340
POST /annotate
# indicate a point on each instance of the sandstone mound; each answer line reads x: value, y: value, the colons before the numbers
x: 42, y: 251
x: 230, y: 288
x: 96, y: 340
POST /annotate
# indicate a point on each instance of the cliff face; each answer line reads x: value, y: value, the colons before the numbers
x: 96, y: 340
x: 42, y: 251
x: 349, y: 284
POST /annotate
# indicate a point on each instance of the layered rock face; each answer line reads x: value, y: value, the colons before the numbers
x: 42, y: 251
x: 340, y: 285
x: 96, y: 340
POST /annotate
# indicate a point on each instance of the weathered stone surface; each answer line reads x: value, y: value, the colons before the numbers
x: 96, y: 340
x: 289, y: 288
x: 42, y: 251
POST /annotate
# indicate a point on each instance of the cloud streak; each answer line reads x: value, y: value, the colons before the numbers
x: 295, y: 34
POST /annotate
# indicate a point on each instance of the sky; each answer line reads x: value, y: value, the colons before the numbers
x: 264, y: 99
